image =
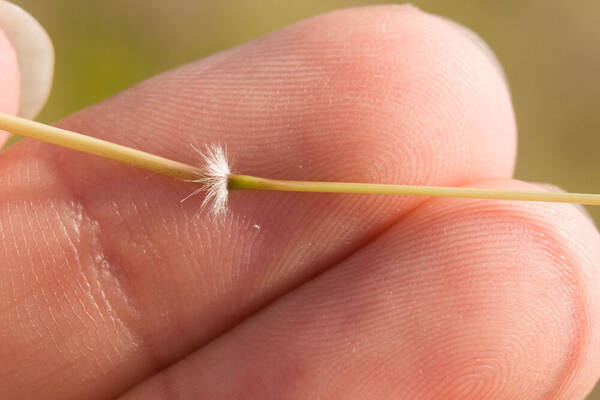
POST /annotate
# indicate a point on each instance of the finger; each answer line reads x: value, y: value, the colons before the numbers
x: 386, y: 94
x: 34, y: 58
x: 465, y: 299
x: 9, y: 80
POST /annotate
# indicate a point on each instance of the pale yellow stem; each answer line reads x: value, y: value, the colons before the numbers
x: 255, y: 183
x: 175, y: 169
x: 99, y: 147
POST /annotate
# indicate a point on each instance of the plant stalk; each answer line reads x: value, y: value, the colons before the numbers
x: 99, y: 147
x: 247, y: 182
x: 178, y: 170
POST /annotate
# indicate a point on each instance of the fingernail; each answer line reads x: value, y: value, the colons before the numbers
x: 479, y: 42
x: 35, y: 55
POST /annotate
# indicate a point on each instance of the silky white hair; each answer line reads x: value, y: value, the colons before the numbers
x: 212, y: 178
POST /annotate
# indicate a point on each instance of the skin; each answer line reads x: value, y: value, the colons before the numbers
x: 110, y: 287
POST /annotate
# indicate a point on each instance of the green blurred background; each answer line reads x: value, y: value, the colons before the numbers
x: 550, y: 50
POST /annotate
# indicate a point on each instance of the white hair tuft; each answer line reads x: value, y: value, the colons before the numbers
x: 212, y: 178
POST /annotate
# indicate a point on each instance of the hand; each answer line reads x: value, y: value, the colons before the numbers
x: 109, y: 285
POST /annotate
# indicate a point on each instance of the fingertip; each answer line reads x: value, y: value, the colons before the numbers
x: 9, y: 80
x: 34, y: 54
x: 401, y: 93
x: 538, y: 299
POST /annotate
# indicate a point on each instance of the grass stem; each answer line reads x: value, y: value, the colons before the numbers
x: 99, y: 147
x: 178, y: 170
x: 255, y: 183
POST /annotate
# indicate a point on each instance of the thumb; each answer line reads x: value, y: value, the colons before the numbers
x: 9, y: 77
x: 26, y: 62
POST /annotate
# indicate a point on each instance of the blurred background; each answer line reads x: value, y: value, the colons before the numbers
x: 550, y: 50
